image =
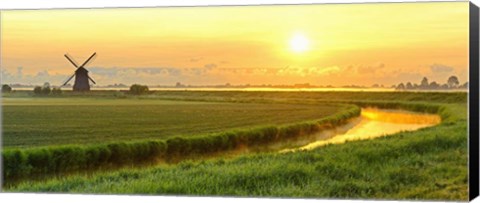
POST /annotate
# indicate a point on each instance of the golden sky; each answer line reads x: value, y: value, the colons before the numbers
x: 324, y: 44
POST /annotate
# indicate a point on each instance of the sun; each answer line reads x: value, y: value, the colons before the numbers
x: 299, y: 43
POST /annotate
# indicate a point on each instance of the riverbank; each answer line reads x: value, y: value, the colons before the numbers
x: 372, y: 123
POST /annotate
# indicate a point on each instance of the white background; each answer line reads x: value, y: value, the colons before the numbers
x: 50, y: 198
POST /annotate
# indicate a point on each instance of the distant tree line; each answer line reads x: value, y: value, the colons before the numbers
x: 46, y: 90
x: 137, y: 89
x: 452, y: 83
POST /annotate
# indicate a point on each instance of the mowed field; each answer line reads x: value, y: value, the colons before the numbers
x: 32, y: 122
x: 430, y: 163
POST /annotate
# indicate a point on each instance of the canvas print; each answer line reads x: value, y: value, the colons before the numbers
x: 324, y: 101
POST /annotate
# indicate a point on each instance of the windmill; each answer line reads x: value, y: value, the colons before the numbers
x: 81, y: 75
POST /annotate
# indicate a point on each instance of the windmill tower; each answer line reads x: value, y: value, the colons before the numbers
x: 81, y: 75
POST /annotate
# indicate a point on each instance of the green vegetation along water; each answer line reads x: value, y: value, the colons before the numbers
x: 58, y: 159
x: 371, y: 124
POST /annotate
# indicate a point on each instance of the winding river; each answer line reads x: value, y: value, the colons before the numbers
x: 372, y: 123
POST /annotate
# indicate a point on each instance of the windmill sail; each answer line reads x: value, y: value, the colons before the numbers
x: 68, y: 80
x: 87, y: 61
x: 71, y: 60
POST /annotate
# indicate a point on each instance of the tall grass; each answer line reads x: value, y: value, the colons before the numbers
x: 19, y: 164
x: 24, y: 163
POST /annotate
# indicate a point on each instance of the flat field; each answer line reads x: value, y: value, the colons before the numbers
x: 29, y: 122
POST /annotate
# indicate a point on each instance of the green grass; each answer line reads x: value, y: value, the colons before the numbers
x: 251, y: 96
x: 21, y: 164
x: 32, y: 122
x: 55, y: 136
x: 426, y: 164
x: 235, y: 96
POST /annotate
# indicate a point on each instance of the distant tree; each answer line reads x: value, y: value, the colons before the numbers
x: 409, y: 85
x: 400, y: 86
x: 56, y: 91
x: 434, y: 85
x: 37, y: 90
x: 6, y: 88
x: 46, y: 89
x: 424, y: 83
x: 138, y: 89
x: 453, y: 81
x: 178, y: 84
x: 42, y: 90
x: 444, y: 86
x: 464, y: 86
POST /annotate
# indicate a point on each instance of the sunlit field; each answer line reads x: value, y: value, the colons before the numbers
x: 33, y: 122
x: 124, y: 132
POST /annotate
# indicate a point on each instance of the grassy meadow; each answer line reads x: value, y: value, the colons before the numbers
x: 430, y: 163
x: 33, y: 122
